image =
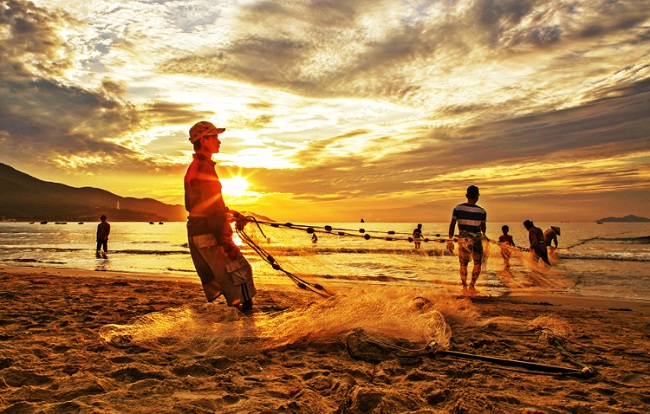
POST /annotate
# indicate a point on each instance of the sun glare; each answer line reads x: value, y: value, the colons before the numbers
x: 234, y: 186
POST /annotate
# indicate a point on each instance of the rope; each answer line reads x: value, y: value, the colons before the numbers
x: 432, y: 349
x: 362, y: 233
x: 366, y: 234
x: 559, y: 343
x: 301, y: 283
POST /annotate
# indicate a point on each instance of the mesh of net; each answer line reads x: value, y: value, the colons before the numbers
x: 389, y: 313
x: 383, y: 298
x: 351, y: 254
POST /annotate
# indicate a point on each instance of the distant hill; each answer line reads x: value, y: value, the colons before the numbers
x: 626, y: 219
x: 25, y: 198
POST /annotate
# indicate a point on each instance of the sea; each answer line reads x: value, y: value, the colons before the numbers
x: 608, y: 260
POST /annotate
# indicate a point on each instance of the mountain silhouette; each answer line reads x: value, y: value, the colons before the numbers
x: 626, y: 219
x: 25, y: 198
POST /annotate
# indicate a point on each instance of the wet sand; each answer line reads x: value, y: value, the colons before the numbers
x: 56, y: 357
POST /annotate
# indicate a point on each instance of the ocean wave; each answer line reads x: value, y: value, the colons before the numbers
x: 632, y: 240
x: 30, y: 260
x: 150, y: 252
x: 606, y: 256
x: 172, y: 269
x: 143, y: 252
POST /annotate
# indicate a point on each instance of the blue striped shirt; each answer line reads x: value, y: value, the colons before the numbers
x: 469, y: 217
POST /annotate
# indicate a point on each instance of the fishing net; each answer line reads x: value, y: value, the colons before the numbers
x: 216, y: 329
x: 329, y: 255
x: 369, y: 289
x: 543, y: 327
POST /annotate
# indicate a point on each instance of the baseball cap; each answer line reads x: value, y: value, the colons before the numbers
x: 203, y: 128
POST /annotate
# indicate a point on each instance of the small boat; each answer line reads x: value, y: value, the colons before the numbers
x: 160, y: 222
x: 43, y: 222
x: 151, y: 222
x: 81, y: 222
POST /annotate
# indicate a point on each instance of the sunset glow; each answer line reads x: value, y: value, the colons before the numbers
x: 338, y: 110
x: 234, y: 187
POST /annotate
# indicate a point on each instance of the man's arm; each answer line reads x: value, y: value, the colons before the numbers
x: 450, y: 240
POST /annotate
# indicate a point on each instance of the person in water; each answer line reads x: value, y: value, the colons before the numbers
x: 537, y: 242
x: 505, y: 241
x: 471, y: 220
x: 103, y: 231
x: 417, y: 236
x: 550, y: 238
x: 218, y: 261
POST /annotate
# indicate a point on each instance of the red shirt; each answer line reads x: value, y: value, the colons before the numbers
x: 203, y: 199
x: 506, y: 238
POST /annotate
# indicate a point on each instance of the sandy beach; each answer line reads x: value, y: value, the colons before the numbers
x: 98, y: 342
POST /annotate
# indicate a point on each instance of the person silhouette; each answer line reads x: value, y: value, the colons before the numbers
x: 537, y: 242
x: 218, y: 261
x: 103, y: 231
x: 417, y: 236
x: 505, y: 241
x: 471, y: 220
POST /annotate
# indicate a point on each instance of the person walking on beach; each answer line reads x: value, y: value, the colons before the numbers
x: 103, y: 230
x: 218, y: 261
x: 471, y: 220
x: 505, y: 241
x: 417, y: 236
x: 537, y: 242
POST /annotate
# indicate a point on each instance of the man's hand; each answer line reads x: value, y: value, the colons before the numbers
x: 241, y: 223
x: 450, y: 246
x: 240, y: 220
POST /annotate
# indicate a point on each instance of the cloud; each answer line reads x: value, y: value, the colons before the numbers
x: 569, y: 146
x: 332, y: 100
x: 42, y: 114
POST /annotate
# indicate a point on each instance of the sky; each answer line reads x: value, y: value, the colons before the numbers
x: 338, y: 110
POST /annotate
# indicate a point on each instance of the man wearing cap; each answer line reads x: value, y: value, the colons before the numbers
x: 218, y: 261
x: 471, y: 227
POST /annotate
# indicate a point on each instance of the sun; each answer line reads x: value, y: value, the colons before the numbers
x: 234, y: 186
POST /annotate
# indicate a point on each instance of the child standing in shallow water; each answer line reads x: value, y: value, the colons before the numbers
x: 505, y: 241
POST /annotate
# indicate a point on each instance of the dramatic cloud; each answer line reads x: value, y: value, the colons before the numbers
x: 337, y: 107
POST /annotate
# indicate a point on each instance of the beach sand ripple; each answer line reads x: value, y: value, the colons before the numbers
x: 123, y: 344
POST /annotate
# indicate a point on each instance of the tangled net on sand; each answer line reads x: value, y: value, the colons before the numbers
x: 397, y: 313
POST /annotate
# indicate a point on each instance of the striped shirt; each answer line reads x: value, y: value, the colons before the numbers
x: 469, y: 217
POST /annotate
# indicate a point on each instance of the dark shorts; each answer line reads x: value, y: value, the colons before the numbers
x: 102, y: 244
x: 470, y: 248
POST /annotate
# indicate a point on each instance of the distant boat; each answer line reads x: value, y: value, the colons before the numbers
x: 61, y: 222
x: 151, y: 222
x: 81, y: 222
x: 160, y: 222
x: 43, y: 222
